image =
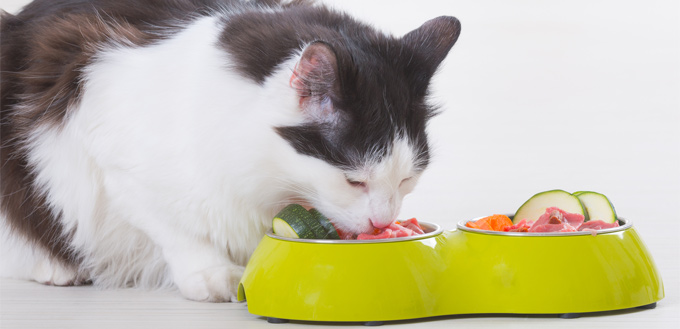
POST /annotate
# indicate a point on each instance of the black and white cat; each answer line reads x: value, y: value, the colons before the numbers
x: 149, y: 143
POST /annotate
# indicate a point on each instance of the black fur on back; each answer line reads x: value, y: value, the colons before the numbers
x: 44, y: 49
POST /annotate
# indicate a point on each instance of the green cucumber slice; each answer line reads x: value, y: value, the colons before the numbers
x: 291, y: 222
x: 597, y: 206
x: 536, y: 205
x: 331, y: 232
x: 319, y: 231
x: 289, y: 230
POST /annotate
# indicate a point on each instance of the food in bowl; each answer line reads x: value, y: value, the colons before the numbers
x: 295, y: 221
x: 555, y: 211
x: 397, y: 229
x: 491, y: 223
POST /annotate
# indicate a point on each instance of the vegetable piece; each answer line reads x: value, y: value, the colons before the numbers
x: 499, y: 222
x: 533, y: 208
x: 598, y: 207
x: 472, y: 224
x: 291, y: 223
x: 491, y: 223
x: 479, y: 224
x: 294, y: 221
x: 331, y: 232
x: 316, y: 227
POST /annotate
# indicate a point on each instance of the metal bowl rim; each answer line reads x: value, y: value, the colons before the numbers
x: 431, y: 230
x: 626, y: 225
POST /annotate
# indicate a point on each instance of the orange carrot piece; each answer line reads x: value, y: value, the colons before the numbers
x: 491, y: 223
x: 473, y: 225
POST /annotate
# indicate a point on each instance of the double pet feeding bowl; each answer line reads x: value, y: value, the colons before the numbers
x: 450, y: 272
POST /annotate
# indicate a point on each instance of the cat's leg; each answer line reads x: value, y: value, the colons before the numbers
x: 201, y: 271
x: 213, y: 284
x: 24, y: 260
x: 52, y: 272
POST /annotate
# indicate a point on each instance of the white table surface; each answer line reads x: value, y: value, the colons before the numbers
x: 536, y: 95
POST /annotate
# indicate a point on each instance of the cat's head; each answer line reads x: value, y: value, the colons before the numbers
x: 364, y: 104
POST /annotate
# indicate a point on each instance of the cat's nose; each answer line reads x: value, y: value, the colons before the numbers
x: 380, y: 223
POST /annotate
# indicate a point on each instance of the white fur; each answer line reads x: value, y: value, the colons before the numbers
x: 23, y: 261
x: 169, y: 171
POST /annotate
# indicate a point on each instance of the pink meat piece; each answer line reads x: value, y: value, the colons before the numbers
x: 522, y: 226
x: 403, y: 229
x: 554, y: 215
x: 575, y: 220
x: 563, y: 227
x: 413, y: 225
x: 399, y: 231
x: 597, y: 225
x: 387, y: 233
x: 409, y: 221
x: 416, y: 229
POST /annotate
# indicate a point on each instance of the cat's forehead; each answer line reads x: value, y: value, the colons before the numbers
x: 370, y: 131
x: 356, y: 150
x: 401, y: 162
x: 381, y: 100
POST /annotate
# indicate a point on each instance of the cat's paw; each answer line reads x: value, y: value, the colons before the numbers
x: 55, y: 274
x: 214, y: 284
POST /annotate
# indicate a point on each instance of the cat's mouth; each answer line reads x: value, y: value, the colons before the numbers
x: 371, y: 230
x: 346, y: 233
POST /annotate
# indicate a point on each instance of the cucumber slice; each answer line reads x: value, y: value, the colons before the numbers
x: 597, y: 206
x: 291, y: 222
x: 319, y: 231
x: 536, y: 205
x: 289, y: 230
x: 331, y: 232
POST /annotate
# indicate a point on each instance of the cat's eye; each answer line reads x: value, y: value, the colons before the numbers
x: 356, y: 183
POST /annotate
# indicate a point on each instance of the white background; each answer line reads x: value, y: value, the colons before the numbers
x: 537, y: 95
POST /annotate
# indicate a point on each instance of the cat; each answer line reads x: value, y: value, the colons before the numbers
x: 150, y: 143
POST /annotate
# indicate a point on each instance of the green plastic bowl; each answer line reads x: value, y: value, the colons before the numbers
x: 460, y: 271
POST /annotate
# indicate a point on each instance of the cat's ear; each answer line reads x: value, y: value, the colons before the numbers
x: 432, y: 42
x: 315, y: 79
